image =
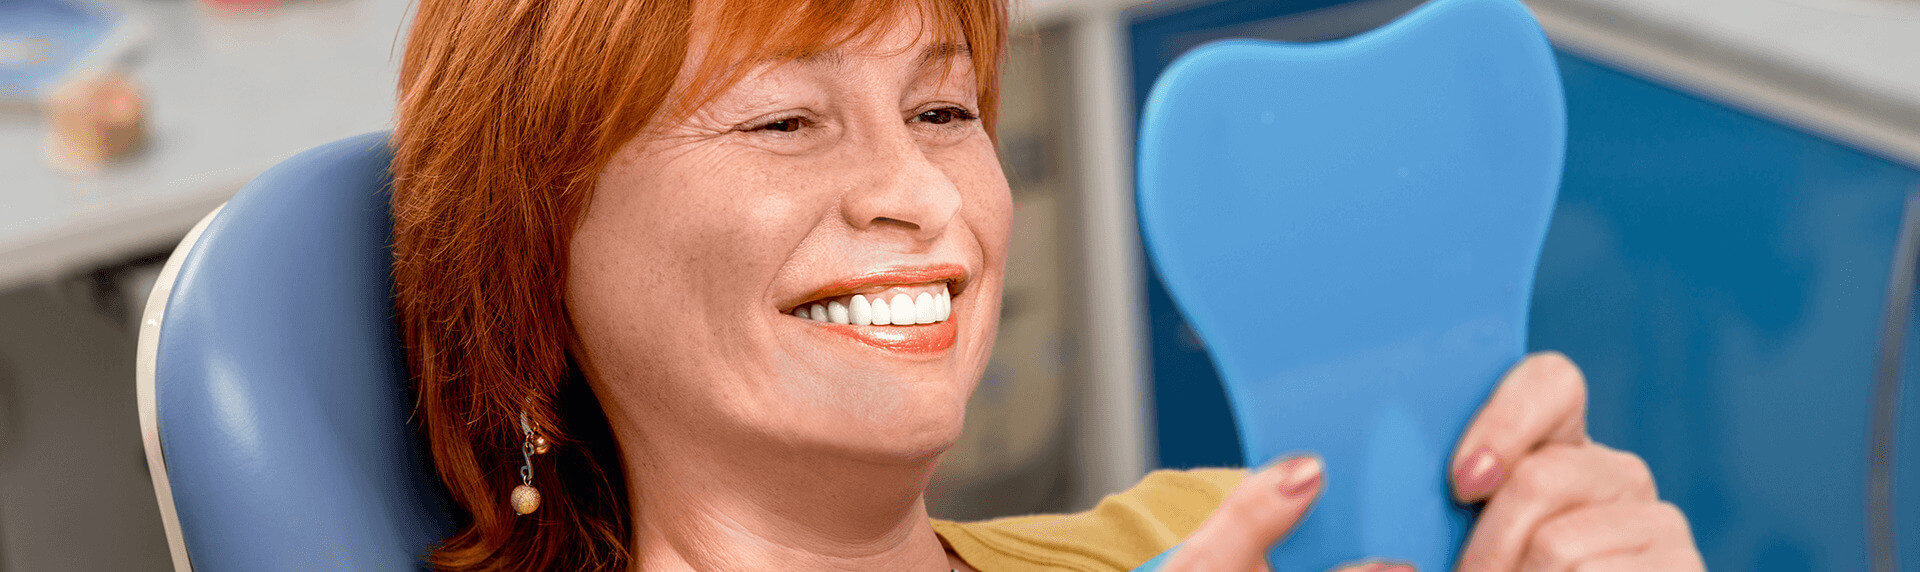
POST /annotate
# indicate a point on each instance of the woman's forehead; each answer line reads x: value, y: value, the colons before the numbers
x: 730, y: 41
x: 733, y: 34
x: 733, y: 40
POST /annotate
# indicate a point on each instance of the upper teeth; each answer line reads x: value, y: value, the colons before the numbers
x: 900, y: 310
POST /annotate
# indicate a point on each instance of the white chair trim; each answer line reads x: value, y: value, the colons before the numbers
x: 149, y: 353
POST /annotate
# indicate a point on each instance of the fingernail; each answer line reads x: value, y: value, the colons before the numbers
x: 1299, y: 476
x: 1398, y: 568
x: 1478, y: 473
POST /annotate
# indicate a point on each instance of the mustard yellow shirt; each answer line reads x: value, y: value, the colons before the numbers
x: 1122, y: 532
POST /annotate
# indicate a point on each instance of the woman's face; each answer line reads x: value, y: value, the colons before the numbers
x: 861, y: 171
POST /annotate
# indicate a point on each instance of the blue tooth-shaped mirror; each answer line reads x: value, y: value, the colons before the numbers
x: 1352, y: 227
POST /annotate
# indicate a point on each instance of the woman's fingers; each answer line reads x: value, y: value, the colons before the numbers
x: 1556, y: 500
x: 1622, y: 532
x: 1541, y: 400
x: 1255, y: 515
x: 1663, y: 558
x: 1554, y: 480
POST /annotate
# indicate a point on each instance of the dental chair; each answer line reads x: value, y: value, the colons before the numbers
x: 273, y: 397
x: 1351, y: 227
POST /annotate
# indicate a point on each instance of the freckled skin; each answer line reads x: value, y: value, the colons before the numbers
x: 693, y: 234
x: 699, y: 229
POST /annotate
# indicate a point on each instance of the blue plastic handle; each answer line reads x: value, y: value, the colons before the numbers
x: 1352, y: 229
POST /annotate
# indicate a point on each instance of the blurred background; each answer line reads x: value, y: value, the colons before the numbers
x: 1722, y: 261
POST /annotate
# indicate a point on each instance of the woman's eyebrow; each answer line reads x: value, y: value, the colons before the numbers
x: 836, y: 57
x: 938, y: 58
x: 944, y: 50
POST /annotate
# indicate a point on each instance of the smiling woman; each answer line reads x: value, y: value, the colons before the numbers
x: 515, y: 296
x: 708, y: 284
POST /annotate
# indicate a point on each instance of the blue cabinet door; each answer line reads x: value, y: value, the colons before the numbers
x: 1722, y: 279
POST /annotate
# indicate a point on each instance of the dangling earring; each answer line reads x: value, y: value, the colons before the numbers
x: 525, y: 498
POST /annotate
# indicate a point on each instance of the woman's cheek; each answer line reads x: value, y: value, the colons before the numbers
x: 974, y: 168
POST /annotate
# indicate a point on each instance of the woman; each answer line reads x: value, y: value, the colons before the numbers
x: 716, y: 278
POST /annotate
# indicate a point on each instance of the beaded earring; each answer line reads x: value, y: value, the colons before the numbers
x: 525, y: 498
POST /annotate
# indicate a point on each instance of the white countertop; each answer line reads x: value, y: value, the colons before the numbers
x: 227, y: 96
x: 1846, y: 69
x: 1872, y: 46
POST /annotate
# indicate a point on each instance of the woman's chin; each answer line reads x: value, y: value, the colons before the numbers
x: 907, y: 435
x: 887, y: 411
x: 915, y: 449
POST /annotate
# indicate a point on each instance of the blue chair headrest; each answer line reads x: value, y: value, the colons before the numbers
x: 280, y: 394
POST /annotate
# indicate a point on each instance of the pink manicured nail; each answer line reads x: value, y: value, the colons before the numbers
x: 1478, y: 474
x: 1299, y: 476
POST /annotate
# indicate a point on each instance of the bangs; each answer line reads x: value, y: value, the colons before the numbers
x: 738, y: 33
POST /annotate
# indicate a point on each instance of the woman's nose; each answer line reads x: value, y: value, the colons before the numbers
x: 904, y: 192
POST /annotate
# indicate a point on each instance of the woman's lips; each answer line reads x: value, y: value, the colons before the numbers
x: 904, y: 318
x: 923, y: 339
x: 953, y: 275
x: 903, y: 310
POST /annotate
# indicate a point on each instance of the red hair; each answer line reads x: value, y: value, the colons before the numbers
x: 508, y: 111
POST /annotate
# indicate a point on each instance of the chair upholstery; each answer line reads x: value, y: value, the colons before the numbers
x: 1352, y: 228
x: 274, y: 395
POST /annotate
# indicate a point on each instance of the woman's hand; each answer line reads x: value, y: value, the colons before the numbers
x: 1555, y: 499
x: 1257, y: 514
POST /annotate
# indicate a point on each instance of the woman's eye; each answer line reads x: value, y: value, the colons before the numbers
x: 788, y: 125
x: 945, y: 115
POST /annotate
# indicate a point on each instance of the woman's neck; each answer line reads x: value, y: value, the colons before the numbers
x: 700, y: 507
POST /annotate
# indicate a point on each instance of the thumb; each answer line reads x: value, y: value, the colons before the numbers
x: 1255, y: 515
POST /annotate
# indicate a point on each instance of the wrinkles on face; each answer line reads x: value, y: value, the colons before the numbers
x: 869, y: 159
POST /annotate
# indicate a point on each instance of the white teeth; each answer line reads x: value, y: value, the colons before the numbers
x: 903, y: 311
x: 860, y: 313
x: 925, y: 310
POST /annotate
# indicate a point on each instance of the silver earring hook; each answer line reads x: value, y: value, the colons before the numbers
x: 526, y: 450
